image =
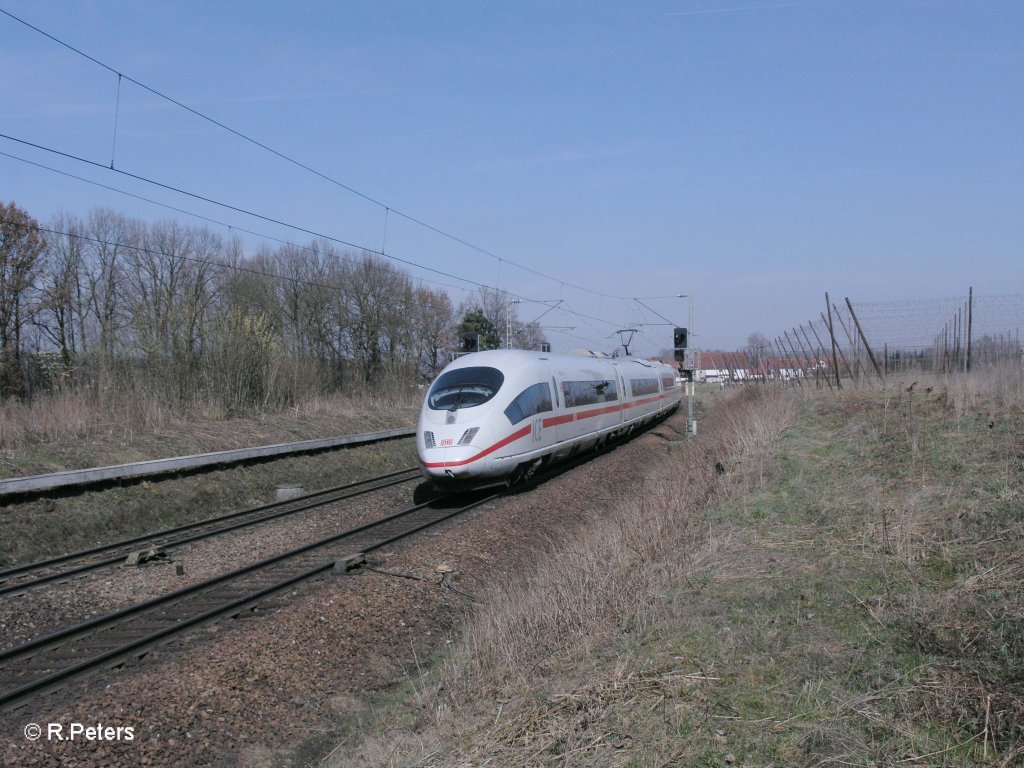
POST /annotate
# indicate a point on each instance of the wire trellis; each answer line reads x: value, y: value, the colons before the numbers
x: 875, y: 338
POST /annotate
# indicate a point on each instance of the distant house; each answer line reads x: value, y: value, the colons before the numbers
x: 716, y: 365
x: 722, y: 366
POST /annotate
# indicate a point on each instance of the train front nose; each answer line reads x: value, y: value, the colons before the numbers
x: 449, y: 456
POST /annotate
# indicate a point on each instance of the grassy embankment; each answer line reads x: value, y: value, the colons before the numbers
x: 73, y: 436
x: 846, y: 592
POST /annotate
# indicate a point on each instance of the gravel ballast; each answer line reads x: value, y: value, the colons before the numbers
x: 239, y: 692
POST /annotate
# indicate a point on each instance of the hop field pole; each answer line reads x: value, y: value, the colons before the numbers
x: 808, y: 359
x: 864, y: 339
x: 792, y: 359
x: 957, y: 327
x: 832, y: 334
x: 945, y: 347
x: 782, y: 357
x: 817, y: 355
x: 803, y: 355
x: 827, y: 321
x: 970, y: 315
x: 821, y: 351
x: 858, y: 366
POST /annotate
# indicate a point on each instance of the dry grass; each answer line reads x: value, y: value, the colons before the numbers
x: 615, y: 577
x: 619, y: 580
x: 123, y: 414
x: 998, y: 387
x: 67, y: 432
x: 70, y: 431
x: 849, y: 592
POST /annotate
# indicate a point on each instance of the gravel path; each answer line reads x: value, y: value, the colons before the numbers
x: 233, y: 692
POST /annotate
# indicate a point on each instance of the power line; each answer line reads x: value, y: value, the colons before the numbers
x: 259, y: 216
x: 205, y: 262
x: 237, y: 209
x: 231, y: 227
x: 249, y: 270
x: 245, y: 137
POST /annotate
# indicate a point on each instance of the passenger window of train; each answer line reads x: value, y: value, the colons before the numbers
x: 464, y: 388
x: 532, y: 400
x: 643, y: 387
x: 577, y: 393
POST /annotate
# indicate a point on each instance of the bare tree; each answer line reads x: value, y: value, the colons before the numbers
x: 61, y: 310
x: 529, y: 336
x: 376, y: 301
x: 436, y: 327
x: 21, y: 250
x: 172, y: 280
x: 110, y: 236
x: 758, y: 349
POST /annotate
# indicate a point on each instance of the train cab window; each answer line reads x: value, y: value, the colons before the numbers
x: 531, y: 401
x: 464, y: 388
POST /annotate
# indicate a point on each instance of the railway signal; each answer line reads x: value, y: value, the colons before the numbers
x: 679, y: 338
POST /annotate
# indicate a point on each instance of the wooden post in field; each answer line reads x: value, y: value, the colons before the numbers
x: 863, y: 338
x: 957, y: 332
x: 808, y: 359
x: 729, y: 367
x: 835, y: 348
x: 783, y: 356
x: 858, y: 364
x: 802, y: 357
x: 970, y: 313
x: 795, y: 358
x: 816, y: 358
x: 821, y: 347
x: 945, y: 347
x: 831, y: 332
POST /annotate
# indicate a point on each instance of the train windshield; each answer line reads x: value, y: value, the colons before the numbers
x: 464, y: 388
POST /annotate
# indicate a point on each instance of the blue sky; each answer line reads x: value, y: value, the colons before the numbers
x: 754, y: 154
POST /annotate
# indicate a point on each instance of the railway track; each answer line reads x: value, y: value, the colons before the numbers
x: 112, y: 640
x: 47, y: 662
x: 75, y: 564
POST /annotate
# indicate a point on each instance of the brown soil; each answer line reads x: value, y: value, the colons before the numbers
x: 287, y: 680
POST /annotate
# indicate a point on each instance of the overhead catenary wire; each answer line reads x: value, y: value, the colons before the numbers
x: 564, y: 307
x: 231, y: 227
x: 387, y: 209
x: 256, y: 215
x: 224, y: 265
x: 287, y: 158
x: 196, y: 260
x: 238, y: 268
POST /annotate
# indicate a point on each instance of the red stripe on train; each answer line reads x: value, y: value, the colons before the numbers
x: 553, y: 421
x: 598, y: 412
x: 500, y: 444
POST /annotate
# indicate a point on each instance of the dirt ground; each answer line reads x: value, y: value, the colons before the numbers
x: 283, y: 685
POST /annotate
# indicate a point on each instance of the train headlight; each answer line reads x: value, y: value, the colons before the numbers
x: 468, y: 435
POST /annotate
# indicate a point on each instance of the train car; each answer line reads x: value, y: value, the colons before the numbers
x: 496, y: 417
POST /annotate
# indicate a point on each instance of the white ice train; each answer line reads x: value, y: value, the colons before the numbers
x: 498, y: 416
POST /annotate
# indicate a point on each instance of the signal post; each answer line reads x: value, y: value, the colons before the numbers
x: 686, y: 372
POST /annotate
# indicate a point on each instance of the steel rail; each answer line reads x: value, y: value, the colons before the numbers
x: 159, y: 538
x: 179, y: 623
